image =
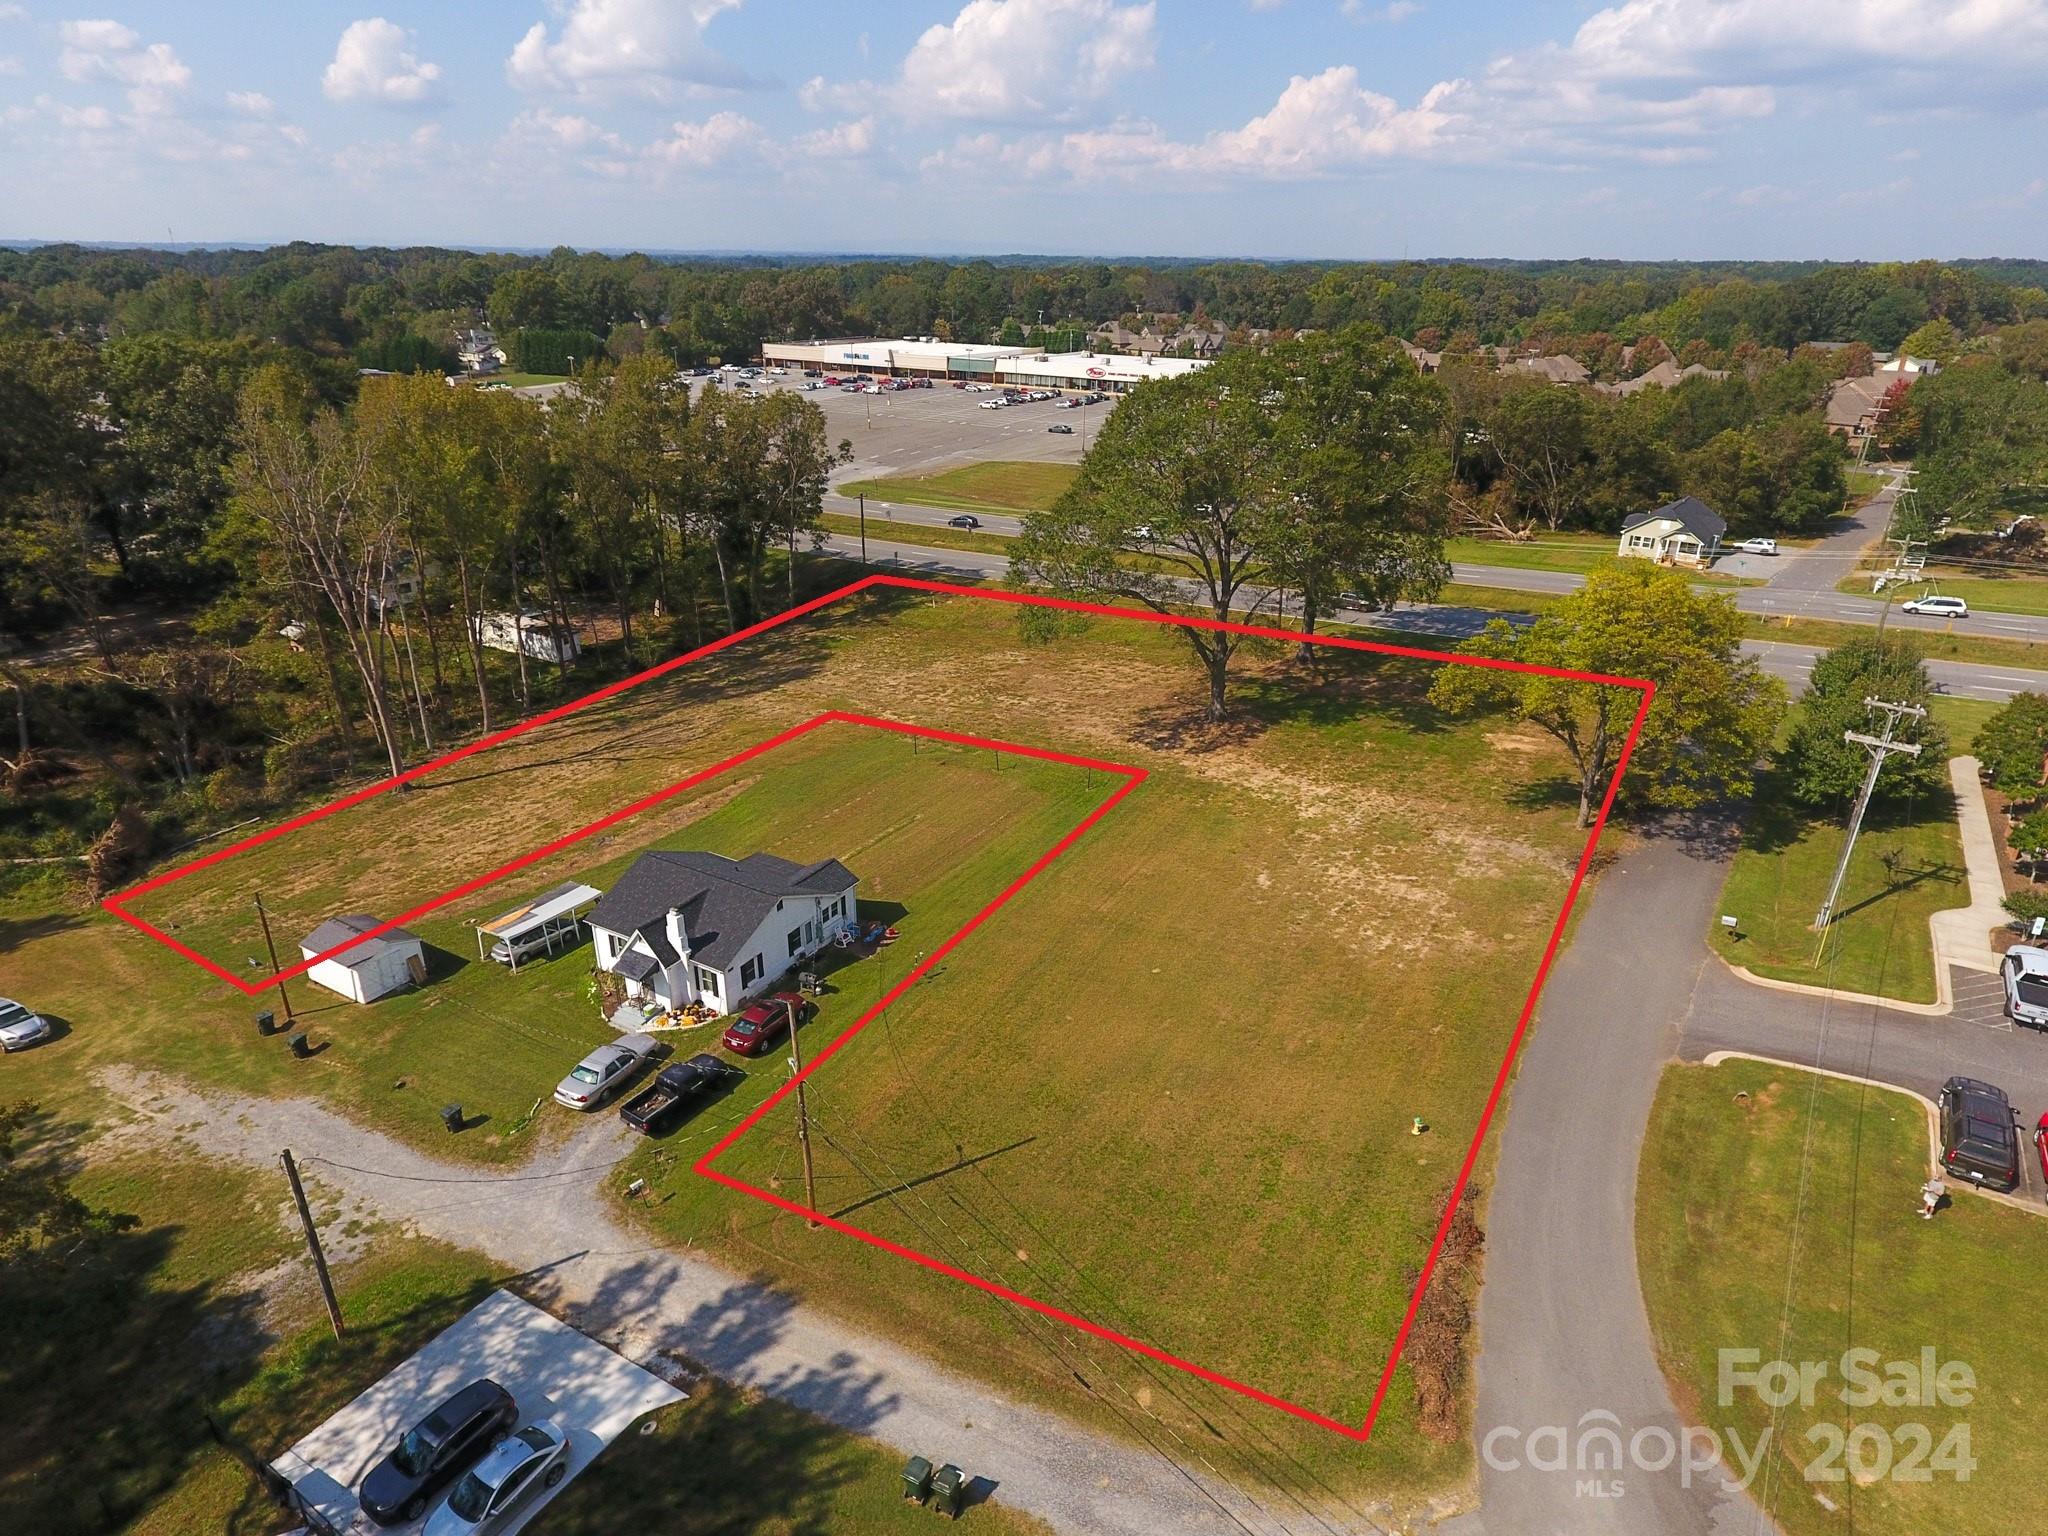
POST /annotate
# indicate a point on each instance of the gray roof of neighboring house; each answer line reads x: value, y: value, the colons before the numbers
x: 723, y: 902
x: 1850, y: 400
x: 1558, y: 368
x: 1665, y: 375
x: 1689, y: 512
x: 338, y: 930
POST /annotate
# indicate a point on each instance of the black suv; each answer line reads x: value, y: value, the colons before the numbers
x: 436, y: 1451
x: 1978, y: 1139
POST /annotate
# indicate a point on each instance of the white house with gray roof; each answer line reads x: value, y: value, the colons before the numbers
x: 699, y: 927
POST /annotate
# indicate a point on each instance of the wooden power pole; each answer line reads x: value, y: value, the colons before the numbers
x: 276, y: 970
x: 291, y: 1172
x: 1879, y: 748
x: 803, y: 1114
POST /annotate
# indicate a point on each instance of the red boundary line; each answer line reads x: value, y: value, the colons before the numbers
x: 1132, y: 778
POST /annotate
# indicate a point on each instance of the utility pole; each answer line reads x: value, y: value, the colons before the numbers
x: 803, y: 1115
x: 291, y: 1172
x: 276, y: 970
x: 1879, y: 748
x: 863, y: 527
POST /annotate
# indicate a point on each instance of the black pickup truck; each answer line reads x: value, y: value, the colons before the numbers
x: 679, y: 1084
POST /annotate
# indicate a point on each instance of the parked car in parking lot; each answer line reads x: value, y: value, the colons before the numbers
x: 2024, y: 973
x: 964, y: 520
x: 1979, y: 1141
x: 1758, y: 547
x: 436, y: 1451
x: 1938, y: 607
x: 20, y: 1027
x: 604, y: 1071
x: 504, y: 1482
x: 763, y: 1023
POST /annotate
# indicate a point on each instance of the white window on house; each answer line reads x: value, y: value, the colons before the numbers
x: 751, y: 971
x: 796, y: 940
x: 707, y: 980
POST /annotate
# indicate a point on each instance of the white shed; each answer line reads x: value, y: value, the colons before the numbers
x: 374, y: 968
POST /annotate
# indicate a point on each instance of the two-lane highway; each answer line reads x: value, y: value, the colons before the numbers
x: 1444, y: 622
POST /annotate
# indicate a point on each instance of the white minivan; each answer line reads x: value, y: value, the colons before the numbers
x: 1938, y: 607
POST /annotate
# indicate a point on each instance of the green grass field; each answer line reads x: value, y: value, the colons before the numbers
x: 1778, y: 1212
x: 1079, y: 1046
x: 994, y: 485
x: 1907, y: 866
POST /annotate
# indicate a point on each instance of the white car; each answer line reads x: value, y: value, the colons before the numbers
x: 778, y: 372
x: 1758, y: 547
x: 19, y: 1028
x: 504, y: 1482
x: 1938, y: 607
x: 605, y: 1071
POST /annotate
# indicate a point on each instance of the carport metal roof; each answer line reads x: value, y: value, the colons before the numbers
x: 545, y: 907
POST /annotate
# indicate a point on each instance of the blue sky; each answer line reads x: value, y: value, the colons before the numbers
x: 1332, y: 128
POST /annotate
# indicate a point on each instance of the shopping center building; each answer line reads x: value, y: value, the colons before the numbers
x: 965, y: 362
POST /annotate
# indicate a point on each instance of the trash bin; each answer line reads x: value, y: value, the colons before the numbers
x: 266, y: 1023
x: 299, y: 1046
x: 949, y: 1490
x: 451, y: 1116
x: 917, y: 1479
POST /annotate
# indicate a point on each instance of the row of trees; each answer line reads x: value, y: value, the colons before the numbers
x: 480, y: 502
x: 339, y: 300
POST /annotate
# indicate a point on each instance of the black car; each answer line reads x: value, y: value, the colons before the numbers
x: 964, y: 520
x: 1979, y: 1141
x: 436, y: 1451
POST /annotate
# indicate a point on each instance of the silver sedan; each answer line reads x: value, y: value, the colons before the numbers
x: 604, y: 1071
x: 20, y: 1028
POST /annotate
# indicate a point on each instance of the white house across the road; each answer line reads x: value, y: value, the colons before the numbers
x: 1683, y: 532
x: 367, y: 971
x: 697, y: 927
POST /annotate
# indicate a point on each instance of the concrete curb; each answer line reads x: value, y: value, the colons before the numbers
x: 1941, y: 1007
x: 2032, y: 1208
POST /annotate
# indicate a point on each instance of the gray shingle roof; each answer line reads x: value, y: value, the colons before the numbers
x: 337, y: 929
x: 1689, y: 512
x: 723, y: 901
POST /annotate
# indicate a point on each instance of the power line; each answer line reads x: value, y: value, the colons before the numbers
x: 1880, y: 748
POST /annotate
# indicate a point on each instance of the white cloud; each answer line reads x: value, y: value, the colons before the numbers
x: 1391, y: 13
x: 251, y: 103
x: 375, y: 61
x: 1666, y: 38
x: 565, y: 130
x: 10, y: 65
x: 847, y: 140
x: 1012, y: 61
x: 107, y: 50
x: 718, y: 140
x: 646, y: 47
x: 12, y: 12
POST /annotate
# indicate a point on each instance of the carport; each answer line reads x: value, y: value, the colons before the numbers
x: 553, y: 918
x: 551, y: 1370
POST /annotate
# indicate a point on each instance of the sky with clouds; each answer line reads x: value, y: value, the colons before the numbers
x: 1325, y: 128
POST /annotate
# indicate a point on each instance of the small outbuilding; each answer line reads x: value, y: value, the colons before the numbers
x: 552, y: 921
x: 381, y: 964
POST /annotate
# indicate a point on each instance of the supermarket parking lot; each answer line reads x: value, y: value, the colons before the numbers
x: 919, y: 429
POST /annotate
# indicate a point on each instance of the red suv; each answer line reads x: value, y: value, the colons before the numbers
x: 762, y: 1023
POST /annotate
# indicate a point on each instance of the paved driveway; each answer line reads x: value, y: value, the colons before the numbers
x: 551, y: 1370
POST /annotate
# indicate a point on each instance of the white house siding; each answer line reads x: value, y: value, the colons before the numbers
x: 770, y: 943
x: 336, y: 977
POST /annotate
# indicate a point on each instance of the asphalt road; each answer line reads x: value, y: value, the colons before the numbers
x: 1564, y: 1343
x: 1911, y: 1050
x: 1789, y: 662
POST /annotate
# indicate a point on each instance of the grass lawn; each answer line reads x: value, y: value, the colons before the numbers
x: 2016, y: 591
x: 1079, y: 1046
x: 994, y: 485
x: 1786, y: 1222
x: 723, y: 1463
x: 1904, y: 870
